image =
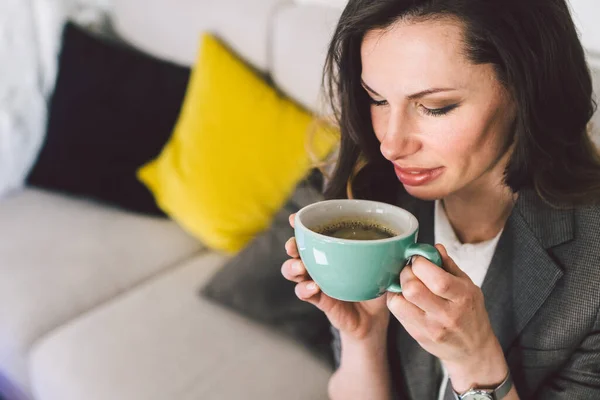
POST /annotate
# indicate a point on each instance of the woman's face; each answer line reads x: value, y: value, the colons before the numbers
x: 444, y: 122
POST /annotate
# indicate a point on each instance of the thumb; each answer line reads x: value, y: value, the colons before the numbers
x: 448, y: 263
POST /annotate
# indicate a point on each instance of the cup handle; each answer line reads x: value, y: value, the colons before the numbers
x: 418, y: 249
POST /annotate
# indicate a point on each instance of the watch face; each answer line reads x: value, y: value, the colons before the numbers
x: 476, y: 396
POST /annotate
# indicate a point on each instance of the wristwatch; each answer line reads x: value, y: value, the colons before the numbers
x: 487, y: 394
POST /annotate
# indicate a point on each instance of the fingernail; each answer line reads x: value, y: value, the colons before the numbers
x: 297, y: 267
x: 311, y: 286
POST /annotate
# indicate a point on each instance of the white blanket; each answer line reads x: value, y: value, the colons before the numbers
x: 29, y: 43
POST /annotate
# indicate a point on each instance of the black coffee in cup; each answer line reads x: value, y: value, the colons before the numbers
x: 356, y: 230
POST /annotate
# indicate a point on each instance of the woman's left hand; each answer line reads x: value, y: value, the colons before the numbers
x: 444, y: 311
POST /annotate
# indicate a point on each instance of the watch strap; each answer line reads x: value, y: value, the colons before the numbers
x: 501, y: 391
x: 497, y: 394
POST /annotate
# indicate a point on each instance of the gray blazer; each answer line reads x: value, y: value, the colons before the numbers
x: 542, y: 293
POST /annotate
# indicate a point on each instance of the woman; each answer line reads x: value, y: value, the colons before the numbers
x: 472, y: 114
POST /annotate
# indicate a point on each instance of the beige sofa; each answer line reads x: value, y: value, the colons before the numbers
x: 102, y: 304
x: 98, y: 303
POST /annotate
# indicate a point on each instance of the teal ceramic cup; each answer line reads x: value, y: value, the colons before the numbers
x: 358, y: 270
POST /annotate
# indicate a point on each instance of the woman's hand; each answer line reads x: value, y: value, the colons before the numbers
x: 355, y: 320
x: 444, y: 311
x: 363, y: 371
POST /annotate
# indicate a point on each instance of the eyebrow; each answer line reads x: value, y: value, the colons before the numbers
x: 412, y: 96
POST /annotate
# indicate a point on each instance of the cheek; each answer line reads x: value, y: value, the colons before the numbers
x: 472, y: 142
x: 452, y: 138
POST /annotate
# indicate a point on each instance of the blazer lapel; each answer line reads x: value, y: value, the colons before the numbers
x: 522, y: 274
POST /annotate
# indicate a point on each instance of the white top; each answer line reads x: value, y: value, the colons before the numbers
x: 473, y: 259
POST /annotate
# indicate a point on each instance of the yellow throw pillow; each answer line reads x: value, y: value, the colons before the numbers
x: 236, y: 154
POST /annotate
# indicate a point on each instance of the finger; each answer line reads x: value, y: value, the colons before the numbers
x: 291, y: 248
x: 412, y: 319
x: 291, y: 219
x: 416, y: 332
x: 439, y: 282
x: 308, y: 291
x: 405, y: 311
x: 293, y: 270
x: 418, y: 294
x: 449, y: 264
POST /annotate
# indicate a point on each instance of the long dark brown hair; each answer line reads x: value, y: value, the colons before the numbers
x: 537, y: 56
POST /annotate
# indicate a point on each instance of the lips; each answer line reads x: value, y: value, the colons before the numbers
x: 417, y: 176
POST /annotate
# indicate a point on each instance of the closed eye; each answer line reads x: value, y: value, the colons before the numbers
x: 436, y: 112
x: 377, y: 103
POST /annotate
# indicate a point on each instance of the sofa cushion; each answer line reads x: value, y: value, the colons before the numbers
x: 159, y: 342
x: 172, y: 32
x: 233, y: 159
x: 62, y: 256
x: 252, y: 285
x: 113, y: 109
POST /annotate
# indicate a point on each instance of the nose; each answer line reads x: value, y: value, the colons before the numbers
x: 400, y: 139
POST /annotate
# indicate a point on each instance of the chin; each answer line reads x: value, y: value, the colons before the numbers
x: 426, y: 192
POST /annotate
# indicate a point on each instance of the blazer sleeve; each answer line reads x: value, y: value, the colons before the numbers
x: 580, y: 376
x: 336, y: 345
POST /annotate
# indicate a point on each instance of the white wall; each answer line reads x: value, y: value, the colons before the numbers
x: 332, y: 3
x: 586, y: 14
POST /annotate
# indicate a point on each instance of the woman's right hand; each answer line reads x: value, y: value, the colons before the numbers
x: 357, y: 320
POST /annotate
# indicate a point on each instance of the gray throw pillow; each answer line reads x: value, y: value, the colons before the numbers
x: 251, y: 283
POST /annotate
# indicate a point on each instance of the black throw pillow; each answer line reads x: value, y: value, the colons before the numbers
x: 113, y: 109
x: 251, y: 283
